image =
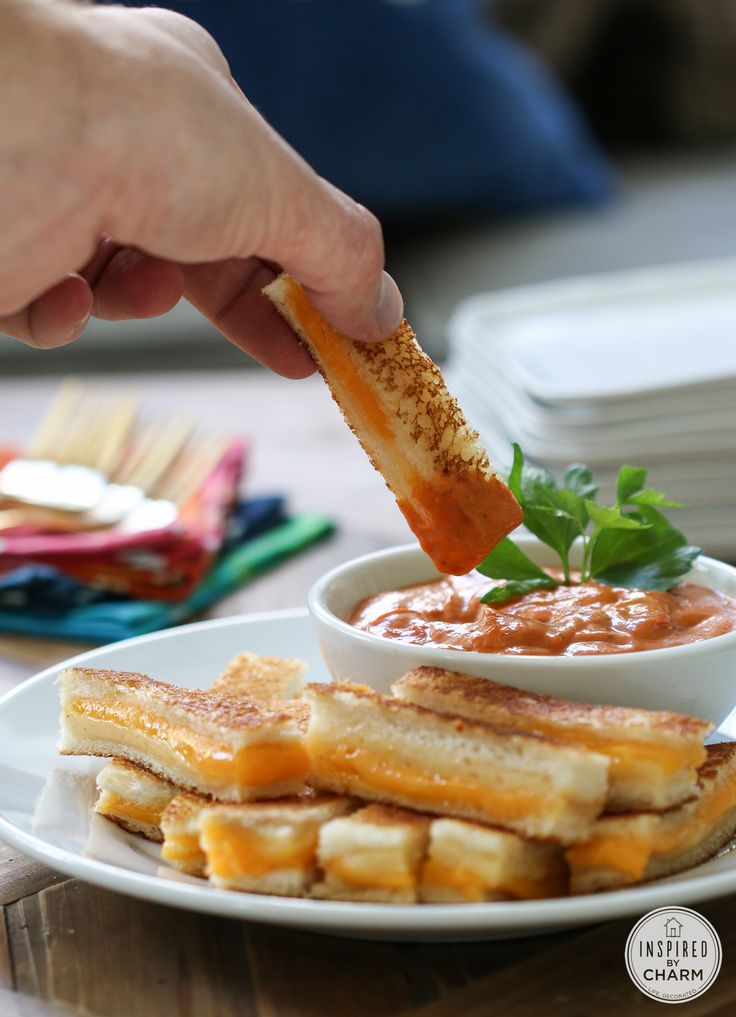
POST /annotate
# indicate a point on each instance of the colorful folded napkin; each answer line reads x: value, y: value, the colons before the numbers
x: 165, y: 563
x: 38, y: 599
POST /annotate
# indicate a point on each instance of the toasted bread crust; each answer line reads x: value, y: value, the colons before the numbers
x: 260, y: 680
x: 222, y: 711
x: 384, y: 750
x: 395, y: 401
x: 397, y: 705
x: 475, y: 694
x: 145, y: 830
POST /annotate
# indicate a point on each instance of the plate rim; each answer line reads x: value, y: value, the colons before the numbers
x: 496, y: 919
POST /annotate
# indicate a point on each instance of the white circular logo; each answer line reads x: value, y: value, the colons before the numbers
x: 673, y: 955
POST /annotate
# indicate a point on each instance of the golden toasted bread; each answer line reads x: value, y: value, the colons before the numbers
x: 374, y: 854
x: 213, y: 745
x: 133, y: 798
x: 384, y: 749
x: 395, y: 401
x: 467, y: 862
x: 262, y: 680
x: 628, y: 848
x: 180, y: 832
x: 267, y: 847
x: 654, y: 754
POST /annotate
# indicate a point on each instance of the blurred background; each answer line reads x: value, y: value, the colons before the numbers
x: 500, y: 142
x: 505, y: 144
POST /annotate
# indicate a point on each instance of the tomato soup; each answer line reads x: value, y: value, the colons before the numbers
x: 582, y: 618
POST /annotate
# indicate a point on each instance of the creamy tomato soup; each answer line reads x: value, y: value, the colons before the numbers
x: 583, y: 618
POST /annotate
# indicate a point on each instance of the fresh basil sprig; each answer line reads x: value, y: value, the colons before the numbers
x: 630, y: 543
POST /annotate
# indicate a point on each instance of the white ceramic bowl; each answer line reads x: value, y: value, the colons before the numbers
x: 698, y: 678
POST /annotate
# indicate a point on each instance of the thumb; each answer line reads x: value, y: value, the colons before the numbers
x: 334, y: 247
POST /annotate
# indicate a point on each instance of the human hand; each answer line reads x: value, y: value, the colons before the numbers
x: 140, y: 173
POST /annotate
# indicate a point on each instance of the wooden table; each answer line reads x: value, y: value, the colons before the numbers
x: 66, y: 947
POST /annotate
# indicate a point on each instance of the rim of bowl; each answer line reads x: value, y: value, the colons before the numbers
x: 319, y: 610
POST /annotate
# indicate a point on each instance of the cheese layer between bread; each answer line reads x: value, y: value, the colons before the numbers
x: 375, y: 854
x: 382, y: 749
x: 214, y: 745
x: 628, y: 848
x: 396, y: 402
x: 266, y: 848
x: 654, y: 754
x: 469, y: 862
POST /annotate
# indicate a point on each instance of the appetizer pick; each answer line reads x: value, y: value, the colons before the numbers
x: 394, y: 399
x: 630, y: 543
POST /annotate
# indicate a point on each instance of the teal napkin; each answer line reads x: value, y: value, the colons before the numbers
x: 110, y: 621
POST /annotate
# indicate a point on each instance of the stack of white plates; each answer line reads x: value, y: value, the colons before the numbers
x: 636, y: 367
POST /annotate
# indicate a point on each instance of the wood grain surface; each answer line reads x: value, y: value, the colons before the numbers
x: 69, y: 948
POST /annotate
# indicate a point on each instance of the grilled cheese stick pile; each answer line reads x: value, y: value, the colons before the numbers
x: 453, y: 789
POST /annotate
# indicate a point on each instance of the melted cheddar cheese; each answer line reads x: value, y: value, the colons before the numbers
x: 111, y: 804
x: 183, y: 848
x: 258, y: 764
x: 359, y: 870
x: 430, y: 790
x: 473, y: 887
x: 630, y: 854
x: 334, y: 348
x: 233, y: 851
x: 624, y: 853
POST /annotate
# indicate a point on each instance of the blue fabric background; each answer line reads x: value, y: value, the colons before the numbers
x: 417, y: 109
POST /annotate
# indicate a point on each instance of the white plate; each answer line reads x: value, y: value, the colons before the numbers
x: 613, y: 336
x: 45, y: 799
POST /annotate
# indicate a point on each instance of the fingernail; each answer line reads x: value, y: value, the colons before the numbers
x: 390, y: 306
x: 76, y: 330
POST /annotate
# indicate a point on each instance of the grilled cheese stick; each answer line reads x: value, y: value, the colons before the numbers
x: 262, y: 680
x: 654, y: 755
x: 467, y: 862
x: 383, y: 749
x: 180, y: 830
x: 395, y: 401
x: 373, y: 855
x: 266, y: 848
x: 216, y: 746
x: 626, y: 849
x: 133, y: 798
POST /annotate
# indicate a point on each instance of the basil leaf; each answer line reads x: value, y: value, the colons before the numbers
x: 554, y: 527
x: 514, y: 480
x: 605, y: 518
x: 579, y: 480
x: 651, y: 497
x: 574, y: 505
x: 658, y: 574
x: 616, y: 547
x: 516, y: 588
x: 534, y: 484
x: 507, y: 561
x: 630, y: 480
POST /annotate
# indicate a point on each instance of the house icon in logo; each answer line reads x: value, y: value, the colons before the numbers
x: 672, y: 928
